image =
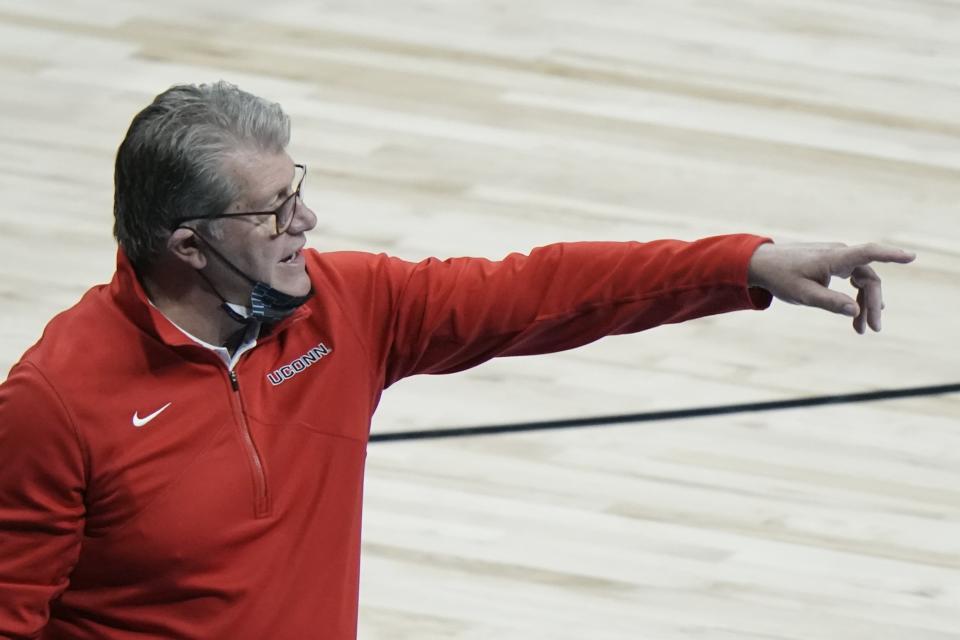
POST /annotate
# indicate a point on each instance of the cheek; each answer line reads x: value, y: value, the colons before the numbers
x: 261, y: 257
x: 257, y: 264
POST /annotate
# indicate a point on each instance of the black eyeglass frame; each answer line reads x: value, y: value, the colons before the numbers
x: 275, y: 213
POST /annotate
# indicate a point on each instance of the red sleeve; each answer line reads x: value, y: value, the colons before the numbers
x: 454, y: 314
x: 42, y: 479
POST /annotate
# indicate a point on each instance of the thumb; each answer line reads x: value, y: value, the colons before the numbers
x: 813, y: 294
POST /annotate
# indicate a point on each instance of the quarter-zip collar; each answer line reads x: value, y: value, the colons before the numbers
x: 129, y: 295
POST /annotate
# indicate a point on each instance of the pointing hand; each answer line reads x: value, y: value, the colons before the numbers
x: 801, y: 273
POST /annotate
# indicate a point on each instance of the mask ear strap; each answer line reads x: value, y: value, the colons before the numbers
x: 222, y: 257
x: 226, y: 306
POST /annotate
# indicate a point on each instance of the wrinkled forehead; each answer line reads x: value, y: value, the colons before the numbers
x: 260, y: 177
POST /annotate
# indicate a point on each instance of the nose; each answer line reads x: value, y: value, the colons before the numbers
x: 304, y: 219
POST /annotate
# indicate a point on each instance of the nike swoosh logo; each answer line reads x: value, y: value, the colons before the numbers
x: 139, y: 422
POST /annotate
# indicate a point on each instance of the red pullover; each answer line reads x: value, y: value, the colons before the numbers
x: 148, y: 492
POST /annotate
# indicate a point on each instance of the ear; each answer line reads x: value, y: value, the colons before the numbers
x: 184, y: 245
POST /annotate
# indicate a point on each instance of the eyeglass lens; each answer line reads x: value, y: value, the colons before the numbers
x: 288, y: 210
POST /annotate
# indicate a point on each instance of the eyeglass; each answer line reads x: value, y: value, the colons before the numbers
x: 282, y: 216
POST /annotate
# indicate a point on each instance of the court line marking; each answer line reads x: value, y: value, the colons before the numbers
x: 675, y: 414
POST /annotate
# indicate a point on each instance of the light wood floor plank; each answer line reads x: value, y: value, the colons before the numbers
x: 447, y: 127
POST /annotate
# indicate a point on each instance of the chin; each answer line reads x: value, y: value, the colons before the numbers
x: 298, y: 285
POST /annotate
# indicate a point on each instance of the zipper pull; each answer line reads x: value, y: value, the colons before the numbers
x: 233, y: 380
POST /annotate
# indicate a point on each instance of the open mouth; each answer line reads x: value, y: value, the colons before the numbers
x: 290, y: 258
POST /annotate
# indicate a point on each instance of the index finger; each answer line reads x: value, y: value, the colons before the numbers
x: 849, y: 258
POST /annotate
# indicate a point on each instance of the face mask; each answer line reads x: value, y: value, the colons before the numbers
x: 266, y: 303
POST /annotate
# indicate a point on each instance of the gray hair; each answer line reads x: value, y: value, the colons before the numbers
x: 170, y: 164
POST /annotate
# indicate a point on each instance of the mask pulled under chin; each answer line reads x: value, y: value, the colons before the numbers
x: 266, y: 305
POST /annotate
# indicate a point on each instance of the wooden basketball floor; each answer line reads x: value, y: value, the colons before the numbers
x: 480, y: 127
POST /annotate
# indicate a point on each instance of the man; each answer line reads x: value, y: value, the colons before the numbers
x: 183, y: 450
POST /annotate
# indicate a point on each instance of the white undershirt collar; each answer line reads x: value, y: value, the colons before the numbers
x: 249, y: 341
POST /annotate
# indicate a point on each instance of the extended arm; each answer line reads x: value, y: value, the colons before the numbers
x: 453, y: 314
